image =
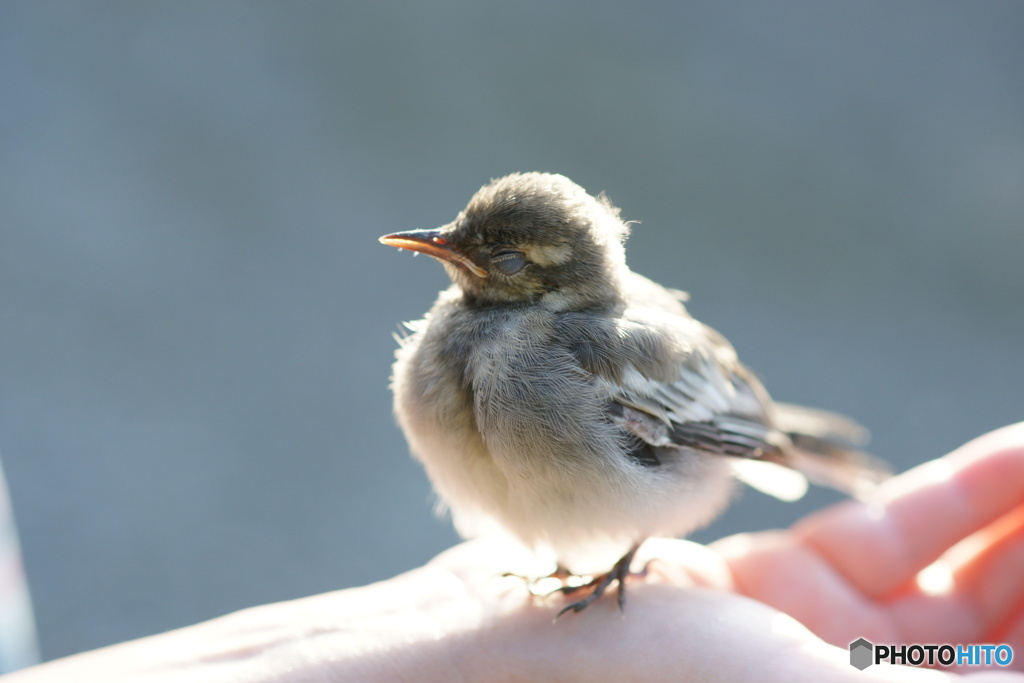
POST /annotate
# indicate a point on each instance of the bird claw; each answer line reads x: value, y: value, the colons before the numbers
x: 560, y: 574
x: 597, y: 584
x: 620, y: 572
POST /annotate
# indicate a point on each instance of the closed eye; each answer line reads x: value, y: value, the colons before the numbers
x: 509, y: 261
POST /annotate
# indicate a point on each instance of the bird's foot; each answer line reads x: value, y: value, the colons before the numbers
x: 599, y: 584
x: 535, y: 584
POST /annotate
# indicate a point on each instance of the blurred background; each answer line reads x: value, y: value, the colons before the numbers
x: 196, y: 316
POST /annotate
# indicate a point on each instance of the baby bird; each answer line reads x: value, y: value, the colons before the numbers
x: 555, y: 395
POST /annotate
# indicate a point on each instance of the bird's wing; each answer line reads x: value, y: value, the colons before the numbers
x: 708, y: 406
x: 701, y: 397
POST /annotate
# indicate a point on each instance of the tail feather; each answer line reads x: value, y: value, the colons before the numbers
x: 826, y: 448
x: 822, y: 424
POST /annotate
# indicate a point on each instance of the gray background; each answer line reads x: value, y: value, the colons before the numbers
x: 196, y: 317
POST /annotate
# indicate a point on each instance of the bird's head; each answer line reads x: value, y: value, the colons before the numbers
x: 529, y: 237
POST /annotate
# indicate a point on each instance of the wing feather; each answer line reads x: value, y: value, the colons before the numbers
x: 713, y: 404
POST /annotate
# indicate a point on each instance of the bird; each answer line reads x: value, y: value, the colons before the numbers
x: 556, y: 397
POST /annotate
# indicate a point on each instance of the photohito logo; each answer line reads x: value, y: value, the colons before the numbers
x: 864, y: 653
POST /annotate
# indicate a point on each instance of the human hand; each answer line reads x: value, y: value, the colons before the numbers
x: 855, y: 570
x: 704, y: 613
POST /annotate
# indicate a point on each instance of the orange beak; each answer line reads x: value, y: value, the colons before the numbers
x: 431, y: 243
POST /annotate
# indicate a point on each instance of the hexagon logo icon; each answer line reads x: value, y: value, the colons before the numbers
x: 861, y: 654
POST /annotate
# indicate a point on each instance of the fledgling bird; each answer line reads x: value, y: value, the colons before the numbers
x: 553, y: 394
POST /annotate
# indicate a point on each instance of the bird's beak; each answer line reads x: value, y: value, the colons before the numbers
x: 431, y: 243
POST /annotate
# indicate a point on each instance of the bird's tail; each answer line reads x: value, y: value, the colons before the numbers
x: 826, y: 449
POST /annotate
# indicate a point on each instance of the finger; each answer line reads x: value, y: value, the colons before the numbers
x: 1013, y: 635
x: 880, y: 547
x: 776, y: 568
x: 972, y: 594
x: 989, y: 578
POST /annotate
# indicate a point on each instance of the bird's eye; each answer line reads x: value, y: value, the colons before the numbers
x: 509, y: 261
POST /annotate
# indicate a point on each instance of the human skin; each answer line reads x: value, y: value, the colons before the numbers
x: 767, y: 606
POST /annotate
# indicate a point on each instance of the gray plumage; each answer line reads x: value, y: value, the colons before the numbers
x: 554, y: 395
